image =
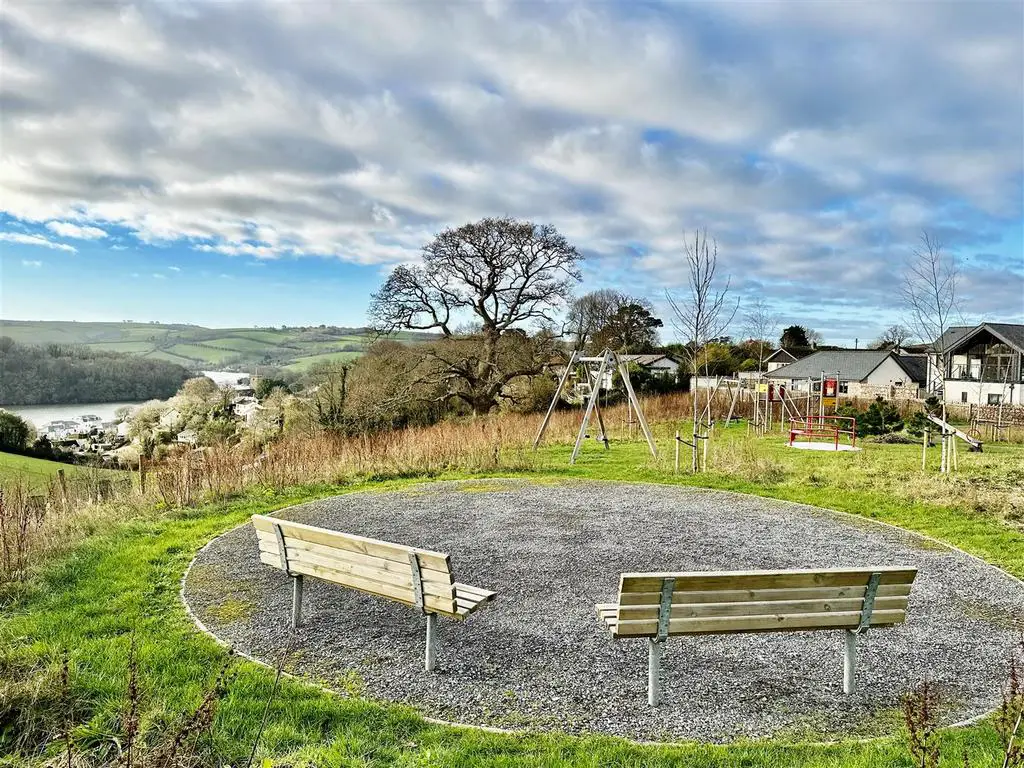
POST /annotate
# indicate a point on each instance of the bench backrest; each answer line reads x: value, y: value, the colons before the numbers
x: 416, y: 577
x: 662, y: 604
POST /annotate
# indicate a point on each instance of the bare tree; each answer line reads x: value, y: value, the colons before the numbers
x: 929, y: 291
x: 893, y: 337
x: 760, y: 324
x: 504, y: 274
x: 703, y: 315
x: 590, y: 313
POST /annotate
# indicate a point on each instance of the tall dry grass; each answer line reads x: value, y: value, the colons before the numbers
x: 37, y: 521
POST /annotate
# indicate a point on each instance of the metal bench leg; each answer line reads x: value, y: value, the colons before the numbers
x: 654, y: 652
x: 850, y: 663
x: 296, y: 600
x: 431, y: 642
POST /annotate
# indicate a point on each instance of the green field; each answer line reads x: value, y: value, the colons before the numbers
x: 305, y: 363
x: 197, y: 347
x: 32, y: 470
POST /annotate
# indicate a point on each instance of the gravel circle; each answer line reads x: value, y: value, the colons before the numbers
x: 538, y: 659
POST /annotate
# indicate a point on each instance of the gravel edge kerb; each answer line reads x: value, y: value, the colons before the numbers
x: 492, y: 729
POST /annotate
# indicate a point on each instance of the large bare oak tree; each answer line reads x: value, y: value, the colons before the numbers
x: 500, y: 275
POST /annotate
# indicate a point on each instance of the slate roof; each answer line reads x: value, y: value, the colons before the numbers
x: 916, y: 366
x: 1012, y: 333
x: 852, y: 364
x: 646, y: 359
x: 781, y: 354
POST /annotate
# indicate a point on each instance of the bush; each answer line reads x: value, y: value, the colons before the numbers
x: 14, y: 432
x: 880, y: 418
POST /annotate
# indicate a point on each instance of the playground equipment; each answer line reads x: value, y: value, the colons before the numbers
x: 596, y: 375
x: 823, y: 433
x: 949, y: 430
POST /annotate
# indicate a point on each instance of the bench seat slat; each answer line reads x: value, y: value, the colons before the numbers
x: 268, y: 543
x: 781, y: 623
x: 469, y: 599
x: 765, y: 608
x: 687, y: 597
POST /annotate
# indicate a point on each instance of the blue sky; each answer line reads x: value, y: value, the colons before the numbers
x: 265, y: 164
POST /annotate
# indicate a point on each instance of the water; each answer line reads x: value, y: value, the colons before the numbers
x: 38, y: 415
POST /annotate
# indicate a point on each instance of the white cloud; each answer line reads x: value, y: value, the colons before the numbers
x: 175, y: 269
x: 67, y: 229
x: 158, y: 276
x: 24, y: 239
x: 812, y: 139
x: 31, y: 263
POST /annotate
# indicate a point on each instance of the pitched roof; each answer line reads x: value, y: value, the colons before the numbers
x: 916, y: 366
x: 952, y: 336
x: 1011, y: 333
x: 852, y: 364
x: 646, y: 359
x: 781, y: 354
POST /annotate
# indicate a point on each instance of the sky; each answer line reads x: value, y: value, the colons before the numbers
x: 243, y: 163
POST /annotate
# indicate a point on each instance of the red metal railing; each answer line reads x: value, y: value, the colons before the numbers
x: 823, y: 427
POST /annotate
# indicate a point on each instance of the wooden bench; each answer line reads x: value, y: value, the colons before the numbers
x: 659, y: 605
x: 416, y: 577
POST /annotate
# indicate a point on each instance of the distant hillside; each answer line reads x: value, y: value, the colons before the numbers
x: 196, y: 347
x: 73, y: 373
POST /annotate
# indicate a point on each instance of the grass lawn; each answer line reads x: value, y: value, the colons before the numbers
x: 14, y: 467
x: 127, y: 577
x: 305, y: 363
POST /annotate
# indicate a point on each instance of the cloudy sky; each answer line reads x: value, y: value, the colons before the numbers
x: 240, y: 163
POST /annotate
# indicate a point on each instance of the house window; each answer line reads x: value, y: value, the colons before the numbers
x: 994, y: 399
x: 963, y: 397
x: 844, y: 387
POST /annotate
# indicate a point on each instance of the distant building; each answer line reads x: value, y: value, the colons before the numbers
x: 860, y: 373
x: 980, y: 365
x: 779, y: 358
x: 240, y: 383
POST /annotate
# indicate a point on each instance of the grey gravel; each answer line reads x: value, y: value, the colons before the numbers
x: 538, y: 659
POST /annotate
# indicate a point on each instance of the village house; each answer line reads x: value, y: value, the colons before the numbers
x: 979, y: 365
x: 860, y: 373
x: 778, y: 359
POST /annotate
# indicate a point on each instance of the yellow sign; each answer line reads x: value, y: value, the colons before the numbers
x: 762, y: 387
x: 829, y: 402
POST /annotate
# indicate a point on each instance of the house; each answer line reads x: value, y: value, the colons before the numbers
x: 860, y: 373
x: 779, y: 358
x: 665, y: 366
x: 979, y: 365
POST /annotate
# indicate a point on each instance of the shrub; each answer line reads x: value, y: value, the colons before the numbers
x: 14, y: 432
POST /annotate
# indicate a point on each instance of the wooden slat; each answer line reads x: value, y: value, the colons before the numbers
x: 341, y: 559
x: 268, y: 543
x: 704, y: 581
x: 680, y: 597
x: 780, y: 623
x: 369, y: 586
x: 466, y: 589
x: 769, y: 608
x: 393, y: 577
x: 366, y: 546
x: 473, y: 593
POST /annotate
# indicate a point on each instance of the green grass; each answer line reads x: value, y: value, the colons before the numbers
x: 134, y: 347
x: 202, y: 353
x: 305, y: 363
x: 127, y: 578
x: 15, y: 467
x: 196, y: 346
